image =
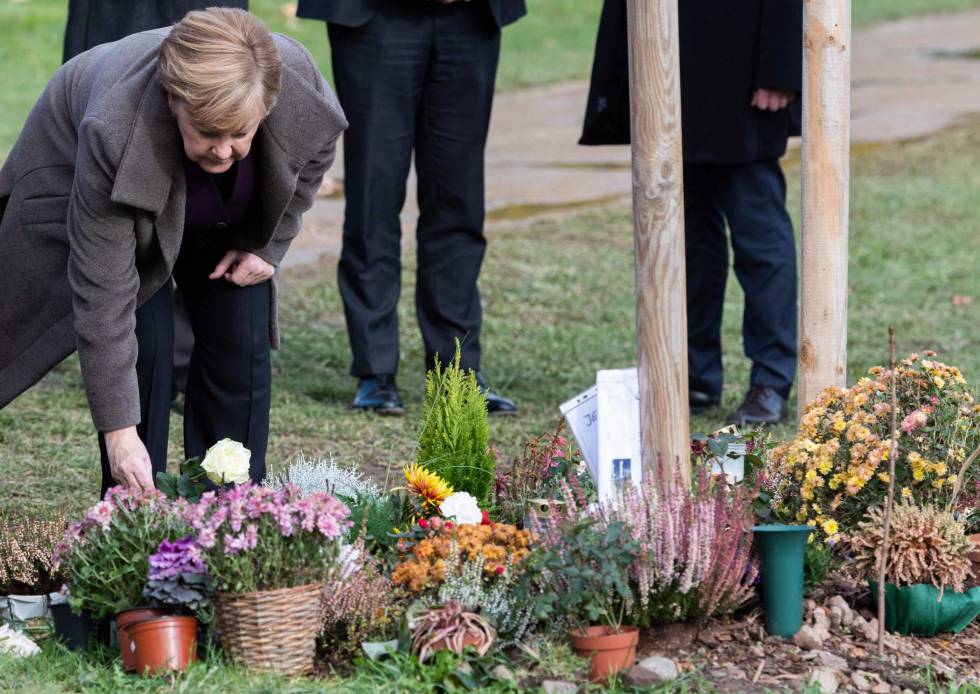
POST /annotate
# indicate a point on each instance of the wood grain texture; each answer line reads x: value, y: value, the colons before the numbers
x: 825, y: 162
x: 658, y: 219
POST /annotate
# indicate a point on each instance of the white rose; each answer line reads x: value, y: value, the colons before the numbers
x: 462, y: 509
x: 227, y: 461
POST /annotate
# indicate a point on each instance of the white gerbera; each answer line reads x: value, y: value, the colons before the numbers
x: 462, y: 509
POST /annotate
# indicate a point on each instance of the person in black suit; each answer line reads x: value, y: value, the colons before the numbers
x: 91, y: 22
x: 413, y: 75
x: 741, y: 74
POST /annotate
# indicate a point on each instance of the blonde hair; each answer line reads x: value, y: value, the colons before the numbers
x: 223, y: 66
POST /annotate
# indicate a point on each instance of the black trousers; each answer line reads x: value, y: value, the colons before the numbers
x: 751, y: 198
x: 229, y: 382
x: 418, y: 76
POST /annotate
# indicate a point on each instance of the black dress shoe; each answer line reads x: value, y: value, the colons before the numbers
x: 762, y: 405
x: 497, y: 404
x: 701, y: 402
x: 379, y: 393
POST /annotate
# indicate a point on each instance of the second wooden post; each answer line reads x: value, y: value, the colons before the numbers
x: 825, y: 162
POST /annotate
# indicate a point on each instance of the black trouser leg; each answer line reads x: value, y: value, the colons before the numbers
x: 378, y: 71
x: 229, y: 382
x: 754, y: 199
x: 449, y: 158
x: 154, y: 368
x: 706, y: 253
x: 183, y: 343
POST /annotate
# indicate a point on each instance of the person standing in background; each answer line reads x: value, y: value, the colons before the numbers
x: 413, y: 75
x: 741, y: 75
x: 91, y: 22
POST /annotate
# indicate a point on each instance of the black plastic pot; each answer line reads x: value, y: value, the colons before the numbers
x: 71, y: 629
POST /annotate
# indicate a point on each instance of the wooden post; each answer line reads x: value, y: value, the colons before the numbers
x: 826, y: 157
x: 658, y: 221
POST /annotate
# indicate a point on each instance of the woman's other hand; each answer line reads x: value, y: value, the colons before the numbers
x: 128, y: 460
x: 242, y: 268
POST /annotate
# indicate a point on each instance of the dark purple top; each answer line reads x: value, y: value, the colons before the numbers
x: 207, y: 210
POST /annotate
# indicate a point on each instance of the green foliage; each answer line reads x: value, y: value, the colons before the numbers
x: 584, y: 577
x: 454, y: 432
x: 188, y: 483
x: 443, y: 672
x: 376, y: 518
x: 817, y: 562
x: 106, y: 570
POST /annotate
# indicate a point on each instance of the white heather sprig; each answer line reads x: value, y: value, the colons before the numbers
x: 320, y: 475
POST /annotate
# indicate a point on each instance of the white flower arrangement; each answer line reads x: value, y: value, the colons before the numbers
x: 461, y: 508
x: 320, y: 475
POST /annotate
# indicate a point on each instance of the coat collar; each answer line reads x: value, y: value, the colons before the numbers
x: 150, y: 174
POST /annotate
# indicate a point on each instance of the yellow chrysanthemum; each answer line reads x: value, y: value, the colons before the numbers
x: 431, y: 489
x: 906, y: 492
x: 830, y: 527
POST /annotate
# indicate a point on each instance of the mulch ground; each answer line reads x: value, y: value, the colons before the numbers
x: 736, y: 654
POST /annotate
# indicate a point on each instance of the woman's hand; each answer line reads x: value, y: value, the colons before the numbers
x: 771, y: 99
x: 242, y: 268
x: 128, y: 460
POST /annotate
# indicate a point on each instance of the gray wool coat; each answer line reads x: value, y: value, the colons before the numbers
x: 92, y: 211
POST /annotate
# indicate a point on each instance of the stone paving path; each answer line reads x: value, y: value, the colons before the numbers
x: 910, y: 78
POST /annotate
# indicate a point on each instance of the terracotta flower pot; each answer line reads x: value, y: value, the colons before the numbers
x: 123, y: 620
x: 163, y: 644
x: 610, y: 651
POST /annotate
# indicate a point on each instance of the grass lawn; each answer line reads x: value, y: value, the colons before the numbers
x: 558, y: 301
x: 553, y: 42
x: 550, y: 325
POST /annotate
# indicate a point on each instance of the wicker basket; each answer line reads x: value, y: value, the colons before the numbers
x: 270, y: 631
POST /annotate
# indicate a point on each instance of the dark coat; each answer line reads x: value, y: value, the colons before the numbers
x: 92, y: 203
x: 355, y: 13
x: 727, y: 51
x: 91, y: 22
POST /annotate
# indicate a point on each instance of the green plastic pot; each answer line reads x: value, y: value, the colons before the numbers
x: 781, y: 548
x: 917, y: 610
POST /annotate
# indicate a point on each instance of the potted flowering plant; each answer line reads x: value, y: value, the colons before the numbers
x: 362, y: 608
x: 178, y: 580
x: 586, y: 573
x: 30, y: 581
x: 927, y: 568
x: 836, y: 467
x: 105, y: 558
x: 268, y: 552
x: 476, y: 566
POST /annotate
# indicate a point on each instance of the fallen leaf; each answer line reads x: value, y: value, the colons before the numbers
x: 962, y: 300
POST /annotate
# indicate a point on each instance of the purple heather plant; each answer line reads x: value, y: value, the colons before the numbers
x: 178, y: 576
x: 695, y: 544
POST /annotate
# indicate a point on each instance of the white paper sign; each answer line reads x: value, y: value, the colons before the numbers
x: 582, y: 414
x: 618, y: 397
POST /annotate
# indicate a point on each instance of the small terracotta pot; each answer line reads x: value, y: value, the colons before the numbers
x: 610, y: 651
x: 125, y: 619
x: 163, y: 644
